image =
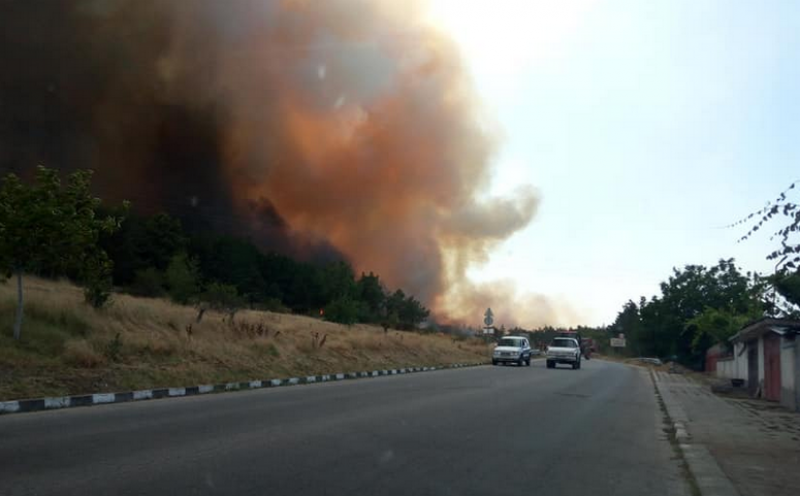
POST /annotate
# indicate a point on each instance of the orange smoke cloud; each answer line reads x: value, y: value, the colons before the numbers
x: 354, y: 120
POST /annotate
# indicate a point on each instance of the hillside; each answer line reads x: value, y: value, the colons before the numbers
x: 67, y: 347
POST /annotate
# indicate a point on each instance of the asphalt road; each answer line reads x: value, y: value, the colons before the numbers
x: 477, y: 431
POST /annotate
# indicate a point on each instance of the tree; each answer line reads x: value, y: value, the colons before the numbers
x: 338, y: 281
x: 666, y: 324
x: 219, y: 297
x: 787, y: 284
x: 717, y: 325
x: 143, y: 243
x: 52, y: 225
x: 390, y: 321
x: 409, y: 310
x: 786, y: 280
x: 629, y: 323
x: 182, y: 278
x: 343, y: 310
x: 370, y: 292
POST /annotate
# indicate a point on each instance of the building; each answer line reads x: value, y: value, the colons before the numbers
x: 766, y: 357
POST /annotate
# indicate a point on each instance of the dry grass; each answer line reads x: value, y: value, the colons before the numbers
x: 68, y: 347
x: 80, y: 353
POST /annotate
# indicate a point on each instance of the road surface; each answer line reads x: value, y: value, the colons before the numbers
x: 476, y: 431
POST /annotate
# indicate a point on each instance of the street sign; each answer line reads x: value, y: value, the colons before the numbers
x: 617, y: 342
x: 488, y: 317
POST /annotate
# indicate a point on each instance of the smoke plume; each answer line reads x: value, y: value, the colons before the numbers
x: 322, y: 128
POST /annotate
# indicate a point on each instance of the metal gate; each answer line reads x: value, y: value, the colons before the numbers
x: 772, y: 367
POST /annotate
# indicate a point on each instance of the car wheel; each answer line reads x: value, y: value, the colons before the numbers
x: 520, y: 362
x: 579, y: 364
x: 494, y: 362
x: 528, y: 362
x: 550, y: 364
x: 574, y: 365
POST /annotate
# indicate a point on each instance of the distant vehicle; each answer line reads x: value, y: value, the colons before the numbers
x: 512, y: 349
x: 564, y: 350
x: 585, y: 344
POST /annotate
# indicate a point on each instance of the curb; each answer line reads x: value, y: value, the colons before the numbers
x: 59, y: 402
x: 710, y: 479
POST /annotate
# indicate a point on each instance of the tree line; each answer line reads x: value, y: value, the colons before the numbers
x: 54, y: 229
x: 702, y: 306
x: 698, y: 307
x: 154, y: 256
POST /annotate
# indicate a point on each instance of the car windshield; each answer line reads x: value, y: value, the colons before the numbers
x: 516, y: 343
x: 563, y: 343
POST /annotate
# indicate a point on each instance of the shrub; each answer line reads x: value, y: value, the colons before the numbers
x: 97, y: 281
x: 275, y: 305
x: 219, y: 297
x: 182, y: 278
x: 114, y: 348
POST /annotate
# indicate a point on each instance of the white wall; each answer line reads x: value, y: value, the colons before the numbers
x: 736, y: 367
x: 740, y: 355
x: 788, y: 393
x: 726, y: 369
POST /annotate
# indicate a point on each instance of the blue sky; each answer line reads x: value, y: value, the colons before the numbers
x: 646, y: 126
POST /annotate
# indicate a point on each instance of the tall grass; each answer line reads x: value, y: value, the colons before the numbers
x: 70, y: 347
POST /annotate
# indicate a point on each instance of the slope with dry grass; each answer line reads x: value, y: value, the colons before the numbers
x: 68, y: 347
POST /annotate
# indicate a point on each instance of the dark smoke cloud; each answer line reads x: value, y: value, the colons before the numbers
x: 343, y: 126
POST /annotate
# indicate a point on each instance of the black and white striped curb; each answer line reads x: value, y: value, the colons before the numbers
x: 53, y: 403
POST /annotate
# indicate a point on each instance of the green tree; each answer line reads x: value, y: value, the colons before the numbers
x: 182, y: 278
x: 409, y: 310
x: 629, y: 323
x: 52, y: 225
x: 338, y: 281
x: 665, y: 321
x: 717, y: 325
x: 232, y: 261
x: 220, y: 297
x: 390, y: 321
x: 143, y: 243
x: 370, y: 292
x: 787, y: 284
x: 412, y: 313
x: 343, y: 310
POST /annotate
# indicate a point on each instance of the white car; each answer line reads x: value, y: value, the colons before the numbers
x: 564, y: 350
x: 512, y: 349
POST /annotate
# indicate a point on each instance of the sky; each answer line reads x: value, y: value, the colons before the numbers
x: 646, y: 128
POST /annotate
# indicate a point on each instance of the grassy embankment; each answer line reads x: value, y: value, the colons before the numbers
x: 136, y: 343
